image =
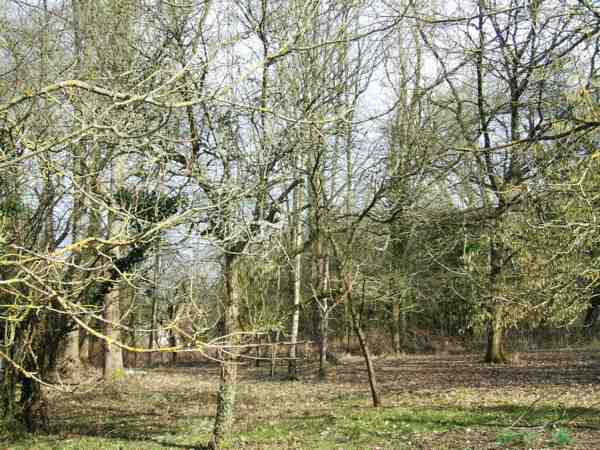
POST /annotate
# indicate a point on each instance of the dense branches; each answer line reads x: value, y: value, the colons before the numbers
x: 278, y: 154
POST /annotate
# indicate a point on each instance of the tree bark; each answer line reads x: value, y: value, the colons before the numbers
x: 113, y: 354
x: 152, y: 339
x: 23, y: 403
x: 227, y: 389
x: 495, y: 346
x: 172, y: 336
x: 274, y: 349
x: 293, y: 363
x: 591, y: 315
x: 34, y: 406
x: 364, y: 346
x: 323, y: 342
x: 8, y: 399
x: 84, y: 346
x: 323, y: 306
x: 258, y: 351
x: 396, y: 339
x: 68, y: 358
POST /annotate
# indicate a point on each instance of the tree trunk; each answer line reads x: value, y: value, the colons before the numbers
x: 113, y: 355
x: 72, y: 346
x: 364, y: 346
x: 495, y: 345
x: 347, y: 329
x: 591, y: 315
x: 84, y: 346
x: 293, y: 363
x: 8, y: 400
x: 30, y: 411
x: 274, y: 349
x: 172, y: 336
x: 152, y: 336
x: 323, y: 342
x: 34, y: 406
x: 258, y: 352
x: 152, y: 339
x: 227, y: 389
x: 323, y: 306
x: 396, y: 339
x: 68, y: 357
x: 173, y: 343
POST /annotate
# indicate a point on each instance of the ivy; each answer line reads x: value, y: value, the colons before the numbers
x: 148, y: 206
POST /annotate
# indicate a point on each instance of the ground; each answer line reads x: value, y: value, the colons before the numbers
x: 545, y: 400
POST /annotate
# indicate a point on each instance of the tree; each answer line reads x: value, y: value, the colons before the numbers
x: 518, y: 54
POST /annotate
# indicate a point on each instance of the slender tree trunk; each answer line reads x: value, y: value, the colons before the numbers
x: 293, y: 363
x: 347, y: 328
x: 152, y: 339
x: 274, y: 350
x: 258, y: 350
x: 364, y: 346
x: 322, y: 304
x: 227, y: 389
x: 84, y: 346
x: 398, y: 326
x: 152, y: 336
x: 172, y: 336
x: 323, y: 342
x: 396, y: 340
x: 403, y: 325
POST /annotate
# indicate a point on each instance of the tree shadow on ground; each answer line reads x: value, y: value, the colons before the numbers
x: 169, y: 404
x: 134, y: 414
x: 450, y: 372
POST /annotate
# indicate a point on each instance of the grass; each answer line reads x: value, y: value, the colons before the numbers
x: 430, y: 403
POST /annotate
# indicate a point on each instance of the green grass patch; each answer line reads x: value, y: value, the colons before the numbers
x: 509, y: 438
x: 561, y: 438
x: 393, y: 427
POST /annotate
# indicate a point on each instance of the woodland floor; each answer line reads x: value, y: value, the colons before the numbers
x: 547, y: 400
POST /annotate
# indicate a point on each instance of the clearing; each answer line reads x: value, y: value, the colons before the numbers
x: 548, y: 400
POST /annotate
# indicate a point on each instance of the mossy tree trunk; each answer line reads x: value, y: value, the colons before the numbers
x: 34, y: 406
x: 227, y: 388
x: 495, y: 343
x: 9, y: 408
x: 34, y: 350
x: 398, y: 326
